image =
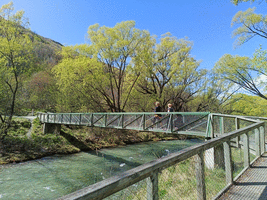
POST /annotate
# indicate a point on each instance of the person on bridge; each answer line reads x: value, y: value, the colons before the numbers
x: 170, y: 108
x: 157, y: 109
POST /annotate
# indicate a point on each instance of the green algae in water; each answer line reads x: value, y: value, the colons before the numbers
x: 55, y: 176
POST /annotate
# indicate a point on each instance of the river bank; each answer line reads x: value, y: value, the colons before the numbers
x: 21, y: 146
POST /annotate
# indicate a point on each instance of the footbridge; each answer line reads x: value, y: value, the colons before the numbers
x: 188, y: 123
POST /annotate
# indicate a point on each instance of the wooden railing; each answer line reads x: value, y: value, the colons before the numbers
x: 150, y: 171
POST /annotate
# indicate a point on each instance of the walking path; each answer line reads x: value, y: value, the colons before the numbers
x: 31, y: 118
x: 252, y: 184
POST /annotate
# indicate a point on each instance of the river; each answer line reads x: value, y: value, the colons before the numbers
x: 55, y: 176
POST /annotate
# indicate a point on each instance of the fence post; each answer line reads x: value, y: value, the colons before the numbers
x: 262, y: 137
x: 70, y: 118
x: 152, y: 187
x: 122, y: 121
x: 92, y: 119
x: 246, y: 150
x: 237, y: 126
x: 171, y: 122
x: 105, y: 120
x: 221, y: 125
x: 228, y: 162
x: 144, y: 122
x: 219, y: 150
x: 257, y: 142
x: 211, y: 126
x: 200, y: 177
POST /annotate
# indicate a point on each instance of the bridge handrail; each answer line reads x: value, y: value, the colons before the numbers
x: 114, y: 184
x: 131, y: 113
x: 245, y: 118
x: 141, y: 121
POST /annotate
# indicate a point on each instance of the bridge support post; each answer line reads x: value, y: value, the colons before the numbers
x: 152, y: 187
x: 228, y: 163
x: 257, y: 142
x: 262, y: 138
x: 214, y: 157
x: 246, y: 150
x: 200, y: 177
x: 51, y: 128
x: 237, y: 126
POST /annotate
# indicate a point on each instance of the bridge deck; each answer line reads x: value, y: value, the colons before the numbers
x: 252, y: 184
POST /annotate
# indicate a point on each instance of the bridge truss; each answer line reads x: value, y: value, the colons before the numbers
x: 189, y: 123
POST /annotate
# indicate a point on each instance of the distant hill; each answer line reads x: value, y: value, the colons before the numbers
x: 45, y: 49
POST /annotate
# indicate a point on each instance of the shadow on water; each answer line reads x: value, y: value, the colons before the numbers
x: 114, y: 158
x: 143, y: 152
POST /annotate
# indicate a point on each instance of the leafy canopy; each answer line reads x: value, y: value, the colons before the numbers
x: 251, y: 25
x: 104, y: 72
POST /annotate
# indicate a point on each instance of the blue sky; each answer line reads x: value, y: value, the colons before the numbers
x: 205, y: 22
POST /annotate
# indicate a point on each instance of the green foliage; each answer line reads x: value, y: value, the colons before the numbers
x: 169, y: 74
x: 259, y: 62
x: 23, y: 53
x: 242, y: 104
x: 124, y: 69
x: 232, y: 67
x: 101, y: 75
x: 239, y: 70
x: 15, y: 58
x: 244, y: 69
x: 251, y: 25
x: 19, y: 127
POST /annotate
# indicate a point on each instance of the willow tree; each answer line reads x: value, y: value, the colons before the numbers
x: 246, y: 72
x: 239, y: 70
x: 250, y: 25
x: 170, y: 73
x: 102, y: 73
x: 15, y: 54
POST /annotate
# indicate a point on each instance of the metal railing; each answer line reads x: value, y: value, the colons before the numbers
x: 189, y: 123
x: 202, y: 171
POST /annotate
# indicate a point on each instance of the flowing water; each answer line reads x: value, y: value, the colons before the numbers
x: 55, y: 176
